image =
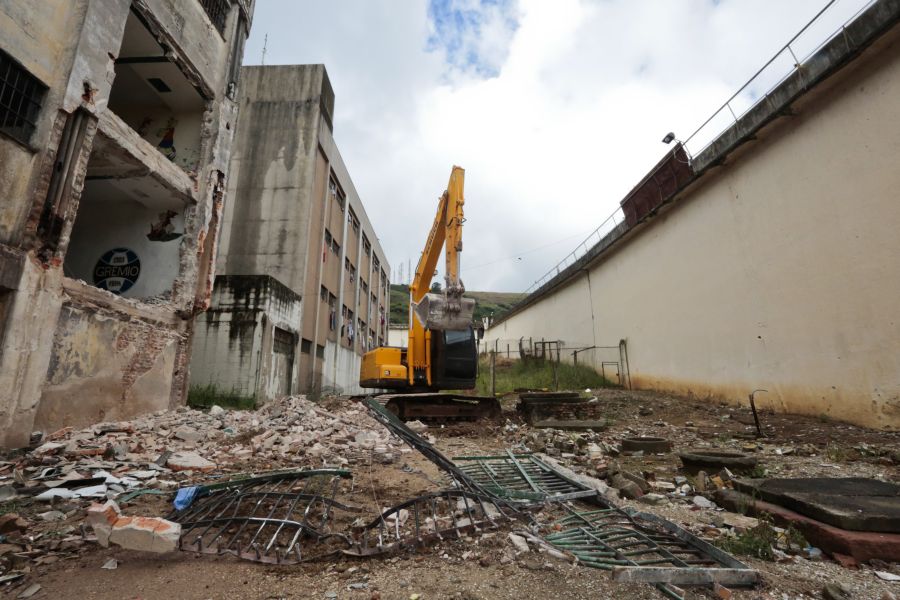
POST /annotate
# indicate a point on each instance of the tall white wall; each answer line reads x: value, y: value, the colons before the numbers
x: 780, y: 270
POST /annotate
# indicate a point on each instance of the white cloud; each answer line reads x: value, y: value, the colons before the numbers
x: 555, y: 109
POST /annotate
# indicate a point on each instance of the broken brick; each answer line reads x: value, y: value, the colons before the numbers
x: 146, y: 534
x: 102, y: 518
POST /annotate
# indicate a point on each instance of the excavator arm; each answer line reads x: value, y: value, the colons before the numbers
x: 449, y: 310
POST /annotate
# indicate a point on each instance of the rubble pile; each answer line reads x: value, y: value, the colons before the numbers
x: 72, y: 474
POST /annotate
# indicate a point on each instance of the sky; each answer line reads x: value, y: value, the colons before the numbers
x: 555, y: 108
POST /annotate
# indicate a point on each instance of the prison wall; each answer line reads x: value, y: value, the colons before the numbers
x: 776, y: 270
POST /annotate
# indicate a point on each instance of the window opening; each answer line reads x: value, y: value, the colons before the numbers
x: 21, y: 97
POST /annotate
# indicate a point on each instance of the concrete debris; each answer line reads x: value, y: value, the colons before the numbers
x: 703, y: 502
x: 190, y: 461
x: 654, y: 499
x: 30, y: 591
x: 102, y: 517
x: 417, y: 426
x: 518, y: 543
x: 836, y: 591
x: 147, y: 534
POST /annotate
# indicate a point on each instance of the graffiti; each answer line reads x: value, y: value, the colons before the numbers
x: 117, y: 270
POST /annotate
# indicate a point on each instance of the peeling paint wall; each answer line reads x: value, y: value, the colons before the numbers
x: 105, y: 367
x: 235, y: 347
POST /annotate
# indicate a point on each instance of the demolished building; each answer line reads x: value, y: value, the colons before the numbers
x: 116, y: 124
x: 302, y: 283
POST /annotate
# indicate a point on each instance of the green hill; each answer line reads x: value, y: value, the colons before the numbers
x: 485, y: 303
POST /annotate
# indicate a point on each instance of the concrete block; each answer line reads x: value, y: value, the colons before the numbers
x: 101, y: 518
x: 189, y: 461
x: 146, y: 534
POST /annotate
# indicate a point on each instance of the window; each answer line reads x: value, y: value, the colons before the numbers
x: 21, y: 95
x: 383, y: 279
x: 337, y: 194
x: 283, y: 342
x: 335, y: 247
x: 323, y: 294
x: 367, y: 247
x: 354, y: 222
x: 320, y: 351
x: 217, y: 11
x: 305, y: 346
x: 363, y: 286
x: 327, y: 238
x: 375, y: 263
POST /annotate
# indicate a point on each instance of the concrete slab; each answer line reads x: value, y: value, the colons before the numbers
x: 852, y: 503
x: 861, y: 546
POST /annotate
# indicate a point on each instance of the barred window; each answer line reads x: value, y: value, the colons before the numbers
x: 217, y: 11
x: 21, y: 95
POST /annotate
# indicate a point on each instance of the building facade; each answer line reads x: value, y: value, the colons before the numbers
x: 769, y: 261
x: 294, y: 222
x: 116, y: 121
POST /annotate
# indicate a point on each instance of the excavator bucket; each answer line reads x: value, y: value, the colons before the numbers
x: 445, y: 312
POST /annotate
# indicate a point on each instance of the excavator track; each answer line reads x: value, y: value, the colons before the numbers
x: 440, y: 407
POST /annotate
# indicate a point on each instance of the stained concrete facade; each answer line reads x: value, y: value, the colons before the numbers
x: 295, y: 216
x: 776, y: 266
x: 115, y: 138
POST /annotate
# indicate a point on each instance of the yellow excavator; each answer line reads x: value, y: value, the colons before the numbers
x: 442, y: 353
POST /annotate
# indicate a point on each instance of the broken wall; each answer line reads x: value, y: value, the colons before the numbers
x: 106, y: 365
x: 73, y: 353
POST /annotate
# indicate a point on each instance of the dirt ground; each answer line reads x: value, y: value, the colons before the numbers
x: 473, y: 568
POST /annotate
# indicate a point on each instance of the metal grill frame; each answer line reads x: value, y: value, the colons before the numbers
x: 379, y: 537
x: 641, y: 546
x: 265, y: 519
x: 217, y: 11
x: 521, y: 477
x: 21, y: 99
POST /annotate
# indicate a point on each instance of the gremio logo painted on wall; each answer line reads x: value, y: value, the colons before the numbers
x: 117, y: 270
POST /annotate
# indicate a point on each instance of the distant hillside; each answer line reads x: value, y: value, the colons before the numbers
x: 485, y: 303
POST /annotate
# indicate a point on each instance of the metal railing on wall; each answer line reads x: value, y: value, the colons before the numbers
x: 789, y: 59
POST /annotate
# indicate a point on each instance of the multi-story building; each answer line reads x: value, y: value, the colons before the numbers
x: 302, y: 287
x: 116, y: 120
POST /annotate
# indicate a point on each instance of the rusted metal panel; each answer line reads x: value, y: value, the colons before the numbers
x: 669, y: 175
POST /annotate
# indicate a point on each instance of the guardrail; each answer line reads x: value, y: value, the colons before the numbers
x: 778, y: 68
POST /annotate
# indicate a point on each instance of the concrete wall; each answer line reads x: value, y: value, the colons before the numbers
x: 340, y: 374
x: 86, y: 383
x: 288, y: 187
x: 398, y: 336
x: 266, y: 226
x: 234, y: 341
x: 777, y: 270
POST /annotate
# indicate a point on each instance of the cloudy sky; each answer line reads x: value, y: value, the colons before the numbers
x: 555, y: 108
